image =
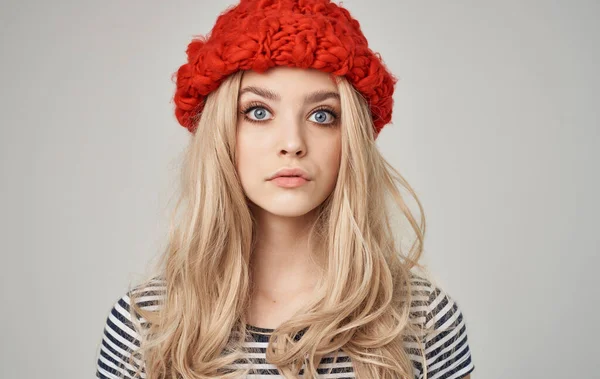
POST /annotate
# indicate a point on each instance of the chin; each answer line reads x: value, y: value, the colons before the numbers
x: 286, y: 209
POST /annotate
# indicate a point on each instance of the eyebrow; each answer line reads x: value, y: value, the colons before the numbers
x: 314, y: 97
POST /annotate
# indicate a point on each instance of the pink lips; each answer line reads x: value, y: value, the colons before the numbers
x: 289, y: 181
x: 291, y: 171
x: 290, y: 177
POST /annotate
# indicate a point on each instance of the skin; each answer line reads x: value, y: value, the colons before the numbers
x: 290, y: 132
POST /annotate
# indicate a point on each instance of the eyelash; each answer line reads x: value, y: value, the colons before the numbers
x: 254, y: 105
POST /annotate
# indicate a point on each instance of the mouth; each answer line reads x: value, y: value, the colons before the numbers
x: 291, y: 172
x: 289, y: 181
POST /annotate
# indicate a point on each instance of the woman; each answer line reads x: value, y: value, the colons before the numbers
x: 281, y: 261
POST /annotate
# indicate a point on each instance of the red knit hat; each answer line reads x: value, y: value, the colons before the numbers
x: 260, y: 34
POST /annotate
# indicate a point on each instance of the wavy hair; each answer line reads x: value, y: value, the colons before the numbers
x: 363, y: 298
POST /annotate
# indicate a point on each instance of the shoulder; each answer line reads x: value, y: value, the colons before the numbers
x: 445, y: 339
x: 120, y: 338
x: 431, y: 303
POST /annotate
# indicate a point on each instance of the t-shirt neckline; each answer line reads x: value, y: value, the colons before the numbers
x: 257, y: 329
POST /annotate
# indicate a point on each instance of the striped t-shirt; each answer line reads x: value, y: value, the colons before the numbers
x: 446, y: 348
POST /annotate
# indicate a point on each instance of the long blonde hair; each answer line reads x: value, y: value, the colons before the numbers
x: 363, y: 306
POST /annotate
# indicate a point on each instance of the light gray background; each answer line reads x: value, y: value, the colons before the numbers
x: 496, y: 125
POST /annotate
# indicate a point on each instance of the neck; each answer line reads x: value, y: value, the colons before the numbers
x: 282, y: 260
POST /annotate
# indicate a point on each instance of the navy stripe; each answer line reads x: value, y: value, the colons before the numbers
x: 429, y: 307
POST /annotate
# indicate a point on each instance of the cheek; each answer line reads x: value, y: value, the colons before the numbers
x: 248, y: 153
x: 334, y: 156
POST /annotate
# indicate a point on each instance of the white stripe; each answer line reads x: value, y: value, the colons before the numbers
x: 119, y: 338
x: 107, y: 374
x: 422, y: 290
x: 452, y: 367
x: 108, y: 352
x: 112, y: 365
x: 118, y: 349
x: 446, y: 338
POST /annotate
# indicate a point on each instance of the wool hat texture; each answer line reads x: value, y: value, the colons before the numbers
x: 259, y: 34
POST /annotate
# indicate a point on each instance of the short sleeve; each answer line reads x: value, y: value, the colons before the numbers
x: 446, y: 345
x: 119, y: 341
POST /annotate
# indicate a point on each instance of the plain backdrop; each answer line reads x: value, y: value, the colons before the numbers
x: 495, y: 124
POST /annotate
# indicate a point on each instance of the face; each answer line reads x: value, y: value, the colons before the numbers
x: 288, y: 118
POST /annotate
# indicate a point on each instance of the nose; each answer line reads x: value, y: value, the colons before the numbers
x: 293, y: 141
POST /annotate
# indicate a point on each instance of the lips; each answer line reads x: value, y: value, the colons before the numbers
x: 291, y: 172
x: 289, y: 181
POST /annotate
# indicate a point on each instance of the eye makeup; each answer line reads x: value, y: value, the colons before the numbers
x: 322, y: 108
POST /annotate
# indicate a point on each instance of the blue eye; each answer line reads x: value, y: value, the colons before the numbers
x: 322, y: 116
x: 260, y: 114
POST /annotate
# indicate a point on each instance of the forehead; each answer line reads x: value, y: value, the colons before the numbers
x: 290, y: 78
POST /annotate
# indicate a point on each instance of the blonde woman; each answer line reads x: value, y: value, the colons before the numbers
x: 281, y: 261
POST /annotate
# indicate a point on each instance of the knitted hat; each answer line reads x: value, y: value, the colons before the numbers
x: 260, y: 34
